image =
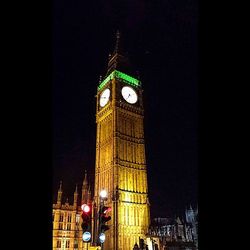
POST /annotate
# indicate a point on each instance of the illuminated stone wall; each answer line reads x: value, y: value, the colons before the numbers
x: 66, y: 228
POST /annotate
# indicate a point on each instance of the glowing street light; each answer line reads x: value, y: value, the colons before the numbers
x: 103, y: 193
x: 102, y: 237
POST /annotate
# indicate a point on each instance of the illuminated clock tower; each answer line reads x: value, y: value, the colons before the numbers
x: 120, y: 154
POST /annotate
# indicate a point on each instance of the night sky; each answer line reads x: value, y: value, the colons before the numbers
x: 160, y: 38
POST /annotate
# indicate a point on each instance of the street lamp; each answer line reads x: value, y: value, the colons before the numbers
x: 103, y: 194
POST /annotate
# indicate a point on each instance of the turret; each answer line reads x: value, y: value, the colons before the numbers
x: 84, y: 189
x: 75, y: 198
x: 89, y: 196
x: 59, y: 195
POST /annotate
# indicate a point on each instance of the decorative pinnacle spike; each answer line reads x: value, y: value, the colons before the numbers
x: 60, y: 188
x: 117, y: 40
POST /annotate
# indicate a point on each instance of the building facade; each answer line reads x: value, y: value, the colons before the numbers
x: 120, y: 153
x: 168, y: 233
x: 67, y: 231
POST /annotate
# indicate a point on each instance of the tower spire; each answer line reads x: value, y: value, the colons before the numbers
x: 118, y: 60
x: 118, y: 35
x: 60, y: 188
x: 84, y: 188
x: 75, y: 197
x: 89, y: 195
x: 85, y: 181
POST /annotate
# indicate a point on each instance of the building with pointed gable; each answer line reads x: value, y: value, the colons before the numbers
x: 67, y: 231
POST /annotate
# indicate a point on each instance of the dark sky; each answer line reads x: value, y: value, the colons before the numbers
x: 160, y: 38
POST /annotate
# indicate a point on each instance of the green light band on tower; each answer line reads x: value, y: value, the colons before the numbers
x: 122, y: 76
x: 108, y: 78
x: 131, y: 80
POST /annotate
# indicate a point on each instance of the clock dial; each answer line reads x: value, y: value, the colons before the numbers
x: 129, y: 94
x: 104, y: 97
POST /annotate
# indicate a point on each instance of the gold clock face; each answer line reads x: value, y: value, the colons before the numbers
x: 129, y: 95
x: 104, y: 97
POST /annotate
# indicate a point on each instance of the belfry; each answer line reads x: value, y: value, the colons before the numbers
x: 120, y: 166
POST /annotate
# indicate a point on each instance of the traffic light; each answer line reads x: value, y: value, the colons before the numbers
x: 141, y: 243
x: 86, y: 218
x: 104, y: 218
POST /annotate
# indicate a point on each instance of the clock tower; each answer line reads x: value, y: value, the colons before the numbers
x: 120, y: 166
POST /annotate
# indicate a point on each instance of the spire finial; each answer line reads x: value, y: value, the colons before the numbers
x: 59, y: 194
x: 118, y: 35
x: 85, y: 181
x: 60, y: 188
x: 76, y: 189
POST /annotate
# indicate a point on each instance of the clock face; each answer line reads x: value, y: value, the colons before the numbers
x: 129, y: 94
x: 104, y: 98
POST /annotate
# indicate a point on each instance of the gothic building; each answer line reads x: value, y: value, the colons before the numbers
x: 191, y: 216
x: 67, y: 232
x: 120, y: 166
x: 178, y: 233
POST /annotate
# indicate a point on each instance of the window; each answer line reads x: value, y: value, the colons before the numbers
x: 75, y: 244
x: 69, y: 218
x: 58, y: 244
x: 77, y: 218
x: 68, y: 226
x: 60, y: 226
x: 61, y: 218
x: 67, y: 244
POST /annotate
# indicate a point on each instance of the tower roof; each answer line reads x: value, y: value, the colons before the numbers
x: 118, y: 60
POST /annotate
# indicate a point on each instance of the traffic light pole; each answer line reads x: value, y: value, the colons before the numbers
x: 99, y: 219
x: 103, y: 218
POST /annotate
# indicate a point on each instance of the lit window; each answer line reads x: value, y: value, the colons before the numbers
x: 61, y: 218
x: 77, y: 218
x: 67, y: 244
x: 58, y: 245
x: 69, y: 218
x: 75, y: 244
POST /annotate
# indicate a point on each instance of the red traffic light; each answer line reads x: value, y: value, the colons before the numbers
x: 86, y: 217
x: 85, y: 208
x: 105, y: 210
